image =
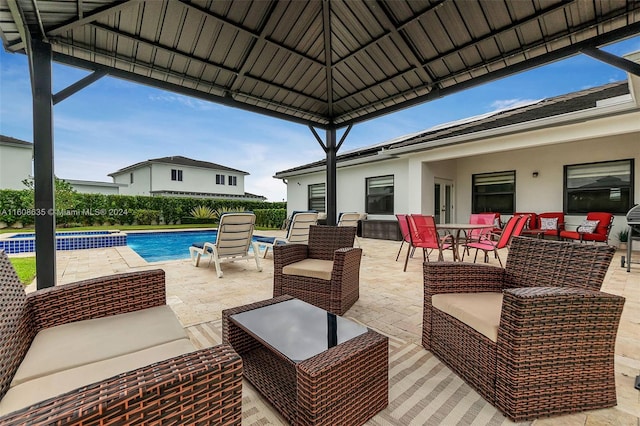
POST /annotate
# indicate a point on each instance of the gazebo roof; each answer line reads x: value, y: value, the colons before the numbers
x: 327, y: 63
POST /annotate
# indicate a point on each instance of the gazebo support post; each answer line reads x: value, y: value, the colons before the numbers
x: 44, y: 182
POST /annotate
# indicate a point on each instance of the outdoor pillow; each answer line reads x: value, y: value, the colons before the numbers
x: 549, y: 223
x: 588, y: 226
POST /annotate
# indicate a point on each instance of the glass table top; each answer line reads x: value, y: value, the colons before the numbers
x: 296, y: 329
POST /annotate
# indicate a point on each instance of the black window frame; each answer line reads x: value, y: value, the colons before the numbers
x: 386, y: 200
x: 478, y: 206
x: 176, y: 175
x: 575, y: 207
x: 131, y: 178
x: 316, y: 202
x: 220, y: 179
x: 233, y: 180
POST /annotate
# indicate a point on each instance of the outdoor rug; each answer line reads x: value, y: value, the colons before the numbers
x: 422, y: 390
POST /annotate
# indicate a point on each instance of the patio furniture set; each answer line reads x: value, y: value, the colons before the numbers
x: 525, y: 336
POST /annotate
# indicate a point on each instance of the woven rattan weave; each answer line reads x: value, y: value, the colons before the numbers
x: 328, y: 243
x: 555, y: 348
x: 202, y: 387
x: 344, y: 385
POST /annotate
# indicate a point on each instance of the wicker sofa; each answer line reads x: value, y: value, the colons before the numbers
x: 108, y: 351
x: 536, y: 338
x: 325, y: 272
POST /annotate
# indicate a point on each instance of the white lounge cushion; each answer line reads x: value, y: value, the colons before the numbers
x: 312, y: 268
x: 480, y: 311
x: 45, y: 387
x: 84, y: 342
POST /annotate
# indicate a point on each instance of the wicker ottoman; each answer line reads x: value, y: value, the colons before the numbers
x: 314, y: 367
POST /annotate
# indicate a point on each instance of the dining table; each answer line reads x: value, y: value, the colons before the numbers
x: 456, y: 228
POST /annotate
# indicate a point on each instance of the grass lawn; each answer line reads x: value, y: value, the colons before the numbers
x: 25, y: 267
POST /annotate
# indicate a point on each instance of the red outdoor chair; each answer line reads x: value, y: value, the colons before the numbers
x: 585, y: 232
x: 404, y: 230
x: 548, y: 224
x: 424, y: 234
x: 514, y: 227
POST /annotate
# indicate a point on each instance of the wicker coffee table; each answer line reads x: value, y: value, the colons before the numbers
x: 314, y: 367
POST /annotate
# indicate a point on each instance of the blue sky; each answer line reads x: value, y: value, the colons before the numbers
x: 113, y: 123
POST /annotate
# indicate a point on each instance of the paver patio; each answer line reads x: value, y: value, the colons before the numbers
x: 390, y: 301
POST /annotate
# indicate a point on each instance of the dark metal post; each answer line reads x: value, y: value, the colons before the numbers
x: 45, y: 219
x: 331, y: 184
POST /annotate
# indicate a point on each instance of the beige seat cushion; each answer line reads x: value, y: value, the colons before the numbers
x: 480, y: 311
x: 45, y: 387
x: 312, y: 268
x: 85, y: 342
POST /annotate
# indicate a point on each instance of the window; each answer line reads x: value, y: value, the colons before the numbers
x: 379, y: 198
x: 494, y: 192
x: 130, y: 177
x: 233, y: 181
x: 599, y: 187
x: 219, y: 179
x: 176, y: 175
x: 316, y: 197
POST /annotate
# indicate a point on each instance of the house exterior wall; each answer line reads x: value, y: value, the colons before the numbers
x: 195, y: 179
x: 89, y: 188
x: 141, y: 181
x: 15, y: 165
x: 415, y: 173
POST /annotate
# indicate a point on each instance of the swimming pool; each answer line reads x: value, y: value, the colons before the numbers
x: 71, y: 240
x: 161, y: 246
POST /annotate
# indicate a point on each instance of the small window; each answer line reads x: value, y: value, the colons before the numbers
x: 233, y: 181
x: 379, y: 198
x: 316, y: 197
x: 176, y: 175
x: 494, y: 192
x: 130, y: 177
x: 219, y: 179
x: 599, y: 187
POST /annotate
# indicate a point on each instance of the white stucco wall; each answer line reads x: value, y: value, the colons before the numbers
x: 415, y: 174
x: 95, y: 188
x: 15, y: 165
x: 141, y: 181
x: 195, y: 179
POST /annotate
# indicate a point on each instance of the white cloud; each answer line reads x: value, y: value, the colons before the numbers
x: 502, y: 104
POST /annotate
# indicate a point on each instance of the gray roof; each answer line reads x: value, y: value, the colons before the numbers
x: 555, y: 106
x: 326, y: 63
x: 8, y: 140
x: 179, y: 161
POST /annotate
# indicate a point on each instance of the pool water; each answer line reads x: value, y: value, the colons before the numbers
x: 161, y: 246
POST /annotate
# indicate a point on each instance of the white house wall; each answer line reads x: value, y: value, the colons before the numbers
x: 195, y: 179
x: 15, y: 166
x: 141, y: 181
x: 415, y: 174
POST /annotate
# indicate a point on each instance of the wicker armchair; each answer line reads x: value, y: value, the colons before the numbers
x: 549, y: 347
x: 202, y: 386
x: 325, y: 272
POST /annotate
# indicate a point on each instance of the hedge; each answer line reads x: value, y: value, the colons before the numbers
x: 97, y: 209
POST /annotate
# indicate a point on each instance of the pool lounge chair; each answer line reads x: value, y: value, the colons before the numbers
x: 234, y: 238
x: 297, y: 231
x: 350, y: 219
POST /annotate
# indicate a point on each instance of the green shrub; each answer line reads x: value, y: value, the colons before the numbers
x: 203, y: 212
x: 146, y: 217
x: 270, y: 218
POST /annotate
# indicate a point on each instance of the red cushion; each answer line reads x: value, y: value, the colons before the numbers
x: 585, y: 237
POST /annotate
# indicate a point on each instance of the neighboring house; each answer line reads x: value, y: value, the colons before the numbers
x: 15, y: 162
x: 95, y: 187
x: 575, y: 153
x: 183, y: 177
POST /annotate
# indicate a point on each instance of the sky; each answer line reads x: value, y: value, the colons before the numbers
x: 113, y: 123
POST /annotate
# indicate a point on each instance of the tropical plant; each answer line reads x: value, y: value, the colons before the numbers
x: 203, y: 212
x: 623, y: 235
x: 222, y: 210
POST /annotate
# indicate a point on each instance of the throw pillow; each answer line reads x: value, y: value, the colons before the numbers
x: 588, y: 226
x: 549, y: 223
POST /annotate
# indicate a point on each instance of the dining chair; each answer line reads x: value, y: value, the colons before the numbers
x: 424, y: 234
x: 404, y: 230
x: 514, y: 227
